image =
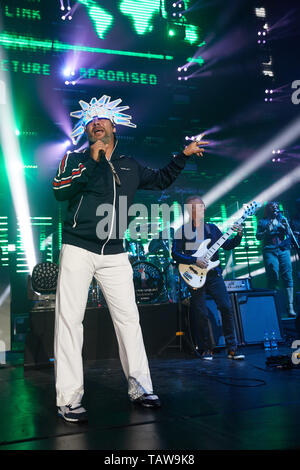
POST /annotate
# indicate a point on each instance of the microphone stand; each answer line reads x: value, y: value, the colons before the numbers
x: 247, y: 254
x: 295, y: 245
x: 284, y: 221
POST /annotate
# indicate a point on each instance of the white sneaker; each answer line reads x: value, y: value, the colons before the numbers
x: 235, y: 356
x: 73, y: 413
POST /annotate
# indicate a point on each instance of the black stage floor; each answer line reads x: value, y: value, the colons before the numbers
x: 219, y: 405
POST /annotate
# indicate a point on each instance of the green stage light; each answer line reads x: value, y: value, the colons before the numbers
x: 142, y: 13
x: 171, y: 32
x: 191, y: 34
x: 14, y: 168
x: 14, y: 41
x: 101, y: 18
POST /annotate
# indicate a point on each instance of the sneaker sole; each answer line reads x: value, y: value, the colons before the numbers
x: 72, y: 420
x: 145, y: 405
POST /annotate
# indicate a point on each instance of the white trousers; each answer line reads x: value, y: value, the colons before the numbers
x: 114, y: 274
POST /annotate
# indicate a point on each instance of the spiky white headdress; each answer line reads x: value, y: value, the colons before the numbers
x: 102, y: 108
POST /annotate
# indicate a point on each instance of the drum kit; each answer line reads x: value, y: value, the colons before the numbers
x: 155, y: 275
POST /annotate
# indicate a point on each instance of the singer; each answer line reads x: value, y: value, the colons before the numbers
x: 272, y: 229
x: 100, y: 175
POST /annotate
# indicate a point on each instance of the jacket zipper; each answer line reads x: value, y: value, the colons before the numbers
x: 76, y: 213
x: 114, y: 206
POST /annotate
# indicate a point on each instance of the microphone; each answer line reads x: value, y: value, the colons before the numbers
x: 101, y: 155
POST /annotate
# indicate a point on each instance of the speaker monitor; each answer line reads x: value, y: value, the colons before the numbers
x: 258, y: 312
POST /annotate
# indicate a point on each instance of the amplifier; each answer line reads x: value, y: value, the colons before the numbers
x: 258, y: 312
x: 236, y: 285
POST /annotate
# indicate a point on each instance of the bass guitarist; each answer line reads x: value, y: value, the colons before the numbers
x: 214, y: 286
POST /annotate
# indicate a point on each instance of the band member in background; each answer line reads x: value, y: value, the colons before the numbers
x: 214, y: 286
x: 295, y: 226
x: 295, y: 222
x: 276, y: 247
x: 101, y: 175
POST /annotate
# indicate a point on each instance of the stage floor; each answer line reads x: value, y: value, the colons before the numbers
x: 218, y: 405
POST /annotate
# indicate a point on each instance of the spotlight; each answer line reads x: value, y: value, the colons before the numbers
x: 63, y: 18
x: 17, y: 132
x: 271, y: 91
x: 174, y: 5
x: 171, y: 32
x: 73, y: 83
x: 179, y: 78
x: 260, y: 12
x: 264, y: 33
x: 69, y: 17
x: 259, y: 33
x: 258, y: 42
x: 185, y: 69
x: 266, y: 91
x: 179, y: 69
x: 67, y: 143
x: 67, y: 72
x: 69, y: 8
x: 273, y: 151
x: 62, y: 8
x: 67, y: 82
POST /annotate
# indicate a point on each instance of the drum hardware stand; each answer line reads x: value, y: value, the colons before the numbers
x: 179, y: 333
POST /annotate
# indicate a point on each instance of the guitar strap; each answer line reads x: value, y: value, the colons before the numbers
x: 207, y: 230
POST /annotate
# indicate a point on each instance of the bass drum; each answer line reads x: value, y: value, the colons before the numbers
x: 177, y: 289
x: 148, y: 282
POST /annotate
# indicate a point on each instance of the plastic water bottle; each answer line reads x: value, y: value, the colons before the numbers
x: 274, y: 345
x: 267, y: 343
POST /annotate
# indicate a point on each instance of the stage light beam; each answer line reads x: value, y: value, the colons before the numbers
x: 286, y: 137
x: 15, y: 172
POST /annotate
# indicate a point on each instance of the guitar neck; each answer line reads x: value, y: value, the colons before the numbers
x: 212, y: 250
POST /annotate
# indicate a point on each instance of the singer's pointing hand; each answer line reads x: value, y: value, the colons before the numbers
x: 195, y: 148
x: 96, y: 148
